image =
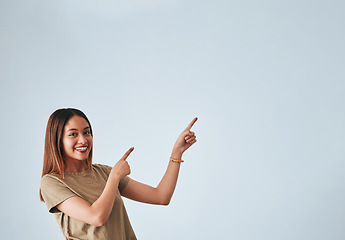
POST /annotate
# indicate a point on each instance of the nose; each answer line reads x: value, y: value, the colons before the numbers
x: 82, y: 139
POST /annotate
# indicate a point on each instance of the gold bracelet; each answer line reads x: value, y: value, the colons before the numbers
x: 176, y: 160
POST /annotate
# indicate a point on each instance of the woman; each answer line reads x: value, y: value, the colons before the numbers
x: 86, y: 197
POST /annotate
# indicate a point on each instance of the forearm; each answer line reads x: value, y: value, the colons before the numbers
x: 167, y: 185
x: 103, y: 206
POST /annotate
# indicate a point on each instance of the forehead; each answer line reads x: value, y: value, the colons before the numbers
x: 76, y: 122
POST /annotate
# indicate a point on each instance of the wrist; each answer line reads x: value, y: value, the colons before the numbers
x: 115, y: 176
x: 176, y: 154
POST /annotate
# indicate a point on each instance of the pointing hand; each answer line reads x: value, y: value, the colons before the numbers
x: 122, y: 168
x: 186, y: 139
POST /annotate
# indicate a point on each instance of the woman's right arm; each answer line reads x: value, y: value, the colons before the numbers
x: 97, y: 213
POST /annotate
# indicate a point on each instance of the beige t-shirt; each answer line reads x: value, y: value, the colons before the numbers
x: 89, y: 186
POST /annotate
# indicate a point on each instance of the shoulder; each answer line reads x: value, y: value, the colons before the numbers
x: 50, y: 179
x: 54, y: 191
x: 52, y: 183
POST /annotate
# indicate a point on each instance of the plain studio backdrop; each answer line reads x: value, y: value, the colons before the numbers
x: 265, y: 78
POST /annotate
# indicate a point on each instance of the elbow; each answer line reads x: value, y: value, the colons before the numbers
x: 162, y: 198
x: 99, y: 221
x: 164, y: 202
x: 98, y: 224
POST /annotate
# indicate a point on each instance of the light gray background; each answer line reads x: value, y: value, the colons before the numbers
x: 265, y: 78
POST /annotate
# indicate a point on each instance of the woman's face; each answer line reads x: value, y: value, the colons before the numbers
x: 76, y: 139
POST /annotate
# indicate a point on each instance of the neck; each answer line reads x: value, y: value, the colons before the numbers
x: 76, y: 166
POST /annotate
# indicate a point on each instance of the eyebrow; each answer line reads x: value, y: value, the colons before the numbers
x: 74, y: 129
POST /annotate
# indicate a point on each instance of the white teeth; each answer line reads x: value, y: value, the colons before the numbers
x: 81, y: 149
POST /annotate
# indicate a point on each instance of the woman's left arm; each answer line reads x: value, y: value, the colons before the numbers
x: 163, y: 192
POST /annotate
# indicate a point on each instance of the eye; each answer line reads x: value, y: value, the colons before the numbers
x: 87, y: 133
x: 72, y: 134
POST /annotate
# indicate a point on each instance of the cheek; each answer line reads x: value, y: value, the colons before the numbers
x: 67, y: 145
x: 90, y: 141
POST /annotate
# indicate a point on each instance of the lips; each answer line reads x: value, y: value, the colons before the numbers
x: 81, y: 149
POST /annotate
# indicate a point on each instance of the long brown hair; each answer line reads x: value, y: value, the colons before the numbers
x: 53, y: 161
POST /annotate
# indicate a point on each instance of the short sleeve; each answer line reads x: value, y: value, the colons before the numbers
x: 123, y: 183
x: 54, y: 192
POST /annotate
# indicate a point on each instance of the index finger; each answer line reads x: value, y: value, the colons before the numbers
x: 190, y: 125
x: 127, y: 153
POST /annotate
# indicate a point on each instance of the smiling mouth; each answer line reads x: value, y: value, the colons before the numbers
x: 81, y: 149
